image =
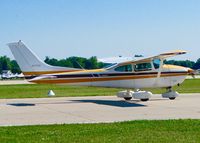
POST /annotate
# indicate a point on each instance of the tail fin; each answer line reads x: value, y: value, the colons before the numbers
x: 30, y: 64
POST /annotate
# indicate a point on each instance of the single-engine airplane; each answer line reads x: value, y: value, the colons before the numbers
x: 134, y: 74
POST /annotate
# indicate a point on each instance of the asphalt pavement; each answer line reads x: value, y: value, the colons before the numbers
x: 96, y: 109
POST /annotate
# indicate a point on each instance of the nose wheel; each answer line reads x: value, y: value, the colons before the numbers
x: 170, y: 94
x: 172, y: 98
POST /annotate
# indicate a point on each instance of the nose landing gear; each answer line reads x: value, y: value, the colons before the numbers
x: 170, y: 94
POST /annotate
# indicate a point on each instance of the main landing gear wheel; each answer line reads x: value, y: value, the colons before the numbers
x: 128, y: 95
x: 144, y: 100
x: 142, y: 95
x: 172, y: 98
x: 127, y: 98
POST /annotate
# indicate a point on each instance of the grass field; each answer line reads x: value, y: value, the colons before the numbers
x: 30, y: 91
x: 125, y: 132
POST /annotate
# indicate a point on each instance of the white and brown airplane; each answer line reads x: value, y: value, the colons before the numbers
x: 135, y: 74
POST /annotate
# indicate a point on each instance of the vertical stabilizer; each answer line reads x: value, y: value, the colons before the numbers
x: 30, y: 63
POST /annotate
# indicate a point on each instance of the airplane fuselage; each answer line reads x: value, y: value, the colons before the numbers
x: 169, y: 76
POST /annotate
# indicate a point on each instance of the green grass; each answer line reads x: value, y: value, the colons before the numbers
x: 30, y: 91
x: 124, y: 132
x: 40, y: 90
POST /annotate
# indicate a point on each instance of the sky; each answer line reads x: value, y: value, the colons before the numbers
x: 102, y: 28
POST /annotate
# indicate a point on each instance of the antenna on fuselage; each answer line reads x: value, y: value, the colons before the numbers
x: 80, y: 65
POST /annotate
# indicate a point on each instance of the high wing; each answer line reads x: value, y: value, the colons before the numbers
x: 161, y: 56
x: 113, y: 60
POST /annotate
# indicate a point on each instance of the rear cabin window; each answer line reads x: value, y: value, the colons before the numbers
x: 143, y: 67
x: 125, y: 68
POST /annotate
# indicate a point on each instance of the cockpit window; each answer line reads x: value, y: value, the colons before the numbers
x: 143, y: 67
x: 156, y: 63
x: 125, y: 68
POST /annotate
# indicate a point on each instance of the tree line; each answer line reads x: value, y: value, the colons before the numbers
x: 185, y: 63
x: 79, y: 62
x: 8, y: 64
x: 75, y: 62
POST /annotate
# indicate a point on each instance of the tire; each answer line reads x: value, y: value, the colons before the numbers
x: 144, y: 100
x: 172, y: 98
x: 127, y: 98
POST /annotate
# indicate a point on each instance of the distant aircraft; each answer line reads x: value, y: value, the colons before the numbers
x: 7, y: 74
x: 134, y: 74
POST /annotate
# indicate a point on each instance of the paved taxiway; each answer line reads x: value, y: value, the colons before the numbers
x: 95, y: 109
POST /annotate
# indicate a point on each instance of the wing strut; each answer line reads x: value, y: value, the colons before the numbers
x: 160, y: 68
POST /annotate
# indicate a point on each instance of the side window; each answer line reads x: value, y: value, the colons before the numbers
x: 156, y: 63
x: 143, y: 67
x: 125, y: 68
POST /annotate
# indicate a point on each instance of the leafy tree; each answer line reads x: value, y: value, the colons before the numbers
x: 197, y: 64
x: 15, y: 67
x: 75, y: 62
x: 94, y: 62
x: 52, y: 61
x: 5, y: 63
x: 186, y: 63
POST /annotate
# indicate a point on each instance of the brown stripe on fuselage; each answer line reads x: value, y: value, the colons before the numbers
x: 98, y: 79
x: 116, y: 74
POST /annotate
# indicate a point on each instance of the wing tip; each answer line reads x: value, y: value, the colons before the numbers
x: 177, y: 52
